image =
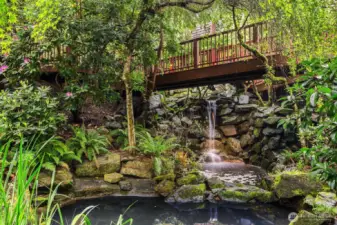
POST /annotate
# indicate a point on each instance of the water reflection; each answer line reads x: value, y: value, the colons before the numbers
x: 154, y: 211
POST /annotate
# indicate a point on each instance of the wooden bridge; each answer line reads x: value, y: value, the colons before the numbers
x: 215, y: 58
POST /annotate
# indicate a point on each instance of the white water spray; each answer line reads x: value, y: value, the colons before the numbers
x: 211, y: 110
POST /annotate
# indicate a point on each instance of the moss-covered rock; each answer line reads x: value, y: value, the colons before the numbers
x: 165, y: 187
x: 63, y: 177
x: 325, y: 204
x: 109, y: 163
x: 246, y: 193
x: 188, y: 179
x: 307, y: 218
x: 113, y: 178
x: 142, y: 169
x: 170, y: 176
x: 190, y: 193
x: 290, y: 184
x: 92, y: 186
x: 215, y: 183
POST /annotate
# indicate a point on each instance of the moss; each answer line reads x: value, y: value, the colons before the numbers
x: 298, y: 192
x: 239, y: 185
x: 217, y: 186
x: 247, y: 196
x: 192, y: 191
x: 170, y: 176
x: 300, y: 182
x: 257, y: 132
x: 188, y: 179
x: 165, y: 187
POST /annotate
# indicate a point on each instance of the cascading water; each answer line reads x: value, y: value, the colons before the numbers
x: 211, y: 110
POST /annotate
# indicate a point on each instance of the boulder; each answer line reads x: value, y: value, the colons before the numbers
x: 274, y: 142
x: 233, y: 145
x: 246, y: 140
x: 225, y: 111
x: 273, y: 120
x: 243, y: 99
x: 264, y: 111
x: 113, y: 177
x: 268, y: 131
x: 108, y: 163
x: 243, y: 127
x: 214, y: 145
x: 290, y: 184
x: 125, y: 185
x: 229, y: 130
x: 307, y: 218
x: 325, y: 204
x: 176, y: 121
x: 189, y: 179
x: 186, y: 121
x: 113, y: 125
x: 258, y: 122
x: 155, y: 101
x: 160, y: 112
x: 189, y: 194
x: 233, y: 120
x: 217, y: 134
x: 215, y: 183
x: 63, y: 177
x: 245, y: 194
x: 163, y: 127
x: 142, y: 169
x: 165, y: 187
x: 93, y: 186
x: 245, y: 108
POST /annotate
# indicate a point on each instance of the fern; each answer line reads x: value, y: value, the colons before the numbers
x: 155, y: 146
x: 88, y: 142
x: 54, y: 152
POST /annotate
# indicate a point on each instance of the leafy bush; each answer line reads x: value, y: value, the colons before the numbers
x: 88, y: 142
x: 316, y: 94
x: 18, y: 193
x: 54, y: 152
x: 28, y: 111
x: 155, y: 146
x: 121, y: 135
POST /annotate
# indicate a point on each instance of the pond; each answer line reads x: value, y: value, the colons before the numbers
x: 154, y: 211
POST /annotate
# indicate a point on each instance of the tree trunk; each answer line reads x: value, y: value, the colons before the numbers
x: 129, y: 103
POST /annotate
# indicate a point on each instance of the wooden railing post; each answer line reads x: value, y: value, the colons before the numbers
x: 196, y: 53
x: 255, y: 33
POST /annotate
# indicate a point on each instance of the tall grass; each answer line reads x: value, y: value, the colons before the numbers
x: 18, y: 192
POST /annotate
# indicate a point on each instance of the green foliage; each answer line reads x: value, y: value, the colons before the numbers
x: 54, y: 152
x: 18, y: 192
x: 316, y: 92
x: 28, y: 111
x: 121, y: 135
x: 155, y: 146
x: 88, y: 142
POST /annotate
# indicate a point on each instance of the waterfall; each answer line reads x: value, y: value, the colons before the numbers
x: 211, y: 110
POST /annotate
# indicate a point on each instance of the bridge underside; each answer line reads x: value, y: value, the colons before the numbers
x: 233, y: 72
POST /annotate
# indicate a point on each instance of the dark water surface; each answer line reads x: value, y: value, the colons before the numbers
x: 154, y: 211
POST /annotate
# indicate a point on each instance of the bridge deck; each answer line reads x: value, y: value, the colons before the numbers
x: 211, y: 59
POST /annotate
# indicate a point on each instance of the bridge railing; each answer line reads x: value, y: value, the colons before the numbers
x: 219, y: 48
x: 211, y: 50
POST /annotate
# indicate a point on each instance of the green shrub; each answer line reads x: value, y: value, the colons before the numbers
x: 155, y: 146
x: 54, y: 152
x: 28, y: 111
x: 18, y: 198
x: 121, y: 135
x: 88, y: 142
